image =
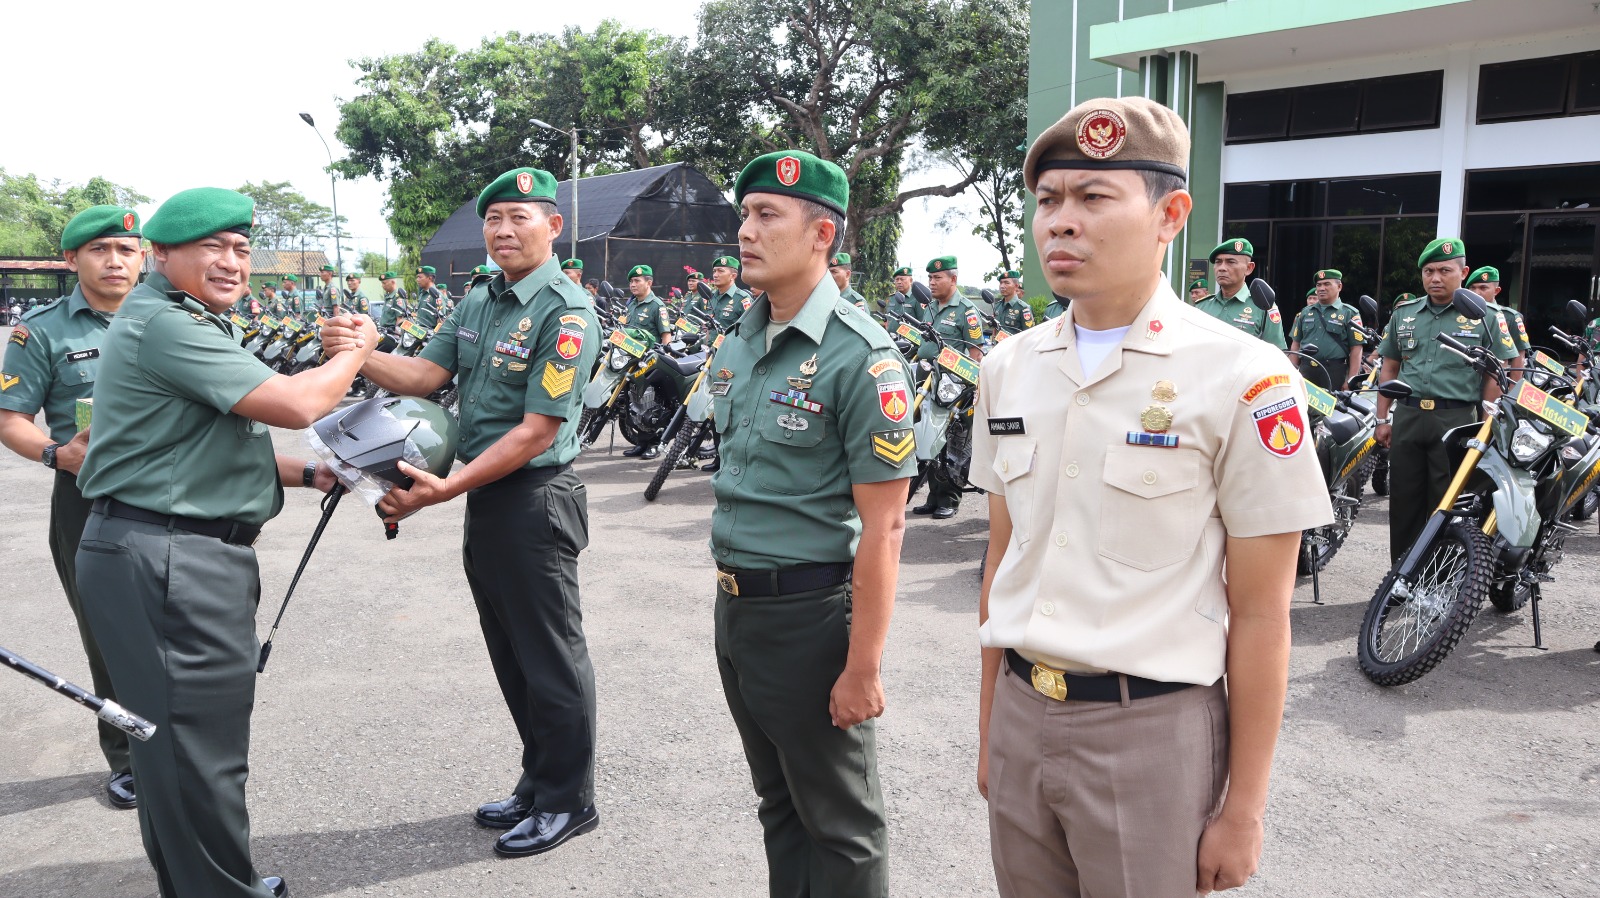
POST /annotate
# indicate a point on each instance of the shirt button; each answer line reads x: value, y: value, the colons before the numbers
x: 734, y: 470
x: 1047, y: 609
x: 723, y: 552
x: 1083, y: 398
x: 727, y: 506
x: 497, y: 324
x: 1061, y: 539
x: 745, y: 423
x: 762, y: 370
x: 1072, y: 470
x: 1149, y: 477
x: 1005, y: 467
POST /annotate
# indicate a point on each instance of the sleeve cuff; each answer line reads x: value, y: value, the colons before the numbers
x: 1286, y: 517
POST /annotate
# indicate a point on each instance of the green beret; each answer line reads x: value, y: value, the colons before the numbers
x: 1330, y: 274
x: 352, y: 276
x: 641, y: 271
x: 690, y: 272
x: 1111, y: 133
x: 328, y: 268
x: 1198, y: 282
x: 943, y: 263
x: 903, y: 271
x: 795, y: 173
x: 1404, y: 297
x: 1310, y: 293
x: 1237, y: 246
x: 105, y: 221
x: 1441, y: 250
x: 1488, y: 274
x: 289, y: 278
x: 270, y: 286
x: 840, y: 260
x: 725, y: 262
x: 389, y: 276
x: 200, y: 212
x: 1011, y: 273
x: 521, y: 185
x: 428, y: 270
x: 572, y: 263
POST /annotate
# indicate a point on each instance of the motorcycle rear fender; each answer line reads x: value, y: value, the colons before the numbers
x: 308, y: 352
x: 600, y: 388
x: 1516, y: 511
x: 930, y: 429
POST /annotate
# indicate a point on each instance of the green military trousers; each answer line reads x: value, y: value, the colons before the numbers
x: 174, y: 613
x: 68, y: 512
x: 521, y: 542
x: 821, y: 806
x: 1419, y: 469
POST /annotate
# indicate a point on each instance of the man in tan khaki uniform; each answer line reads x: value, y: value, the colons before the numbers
x: 1130, y: 449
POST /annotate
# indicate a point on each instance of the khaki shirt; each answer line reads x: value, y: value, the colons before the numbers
x: 827, y: 407
x: 517, y: 350
x: 1116, y: 554
x: 165, y: 436
x: 50, y: 362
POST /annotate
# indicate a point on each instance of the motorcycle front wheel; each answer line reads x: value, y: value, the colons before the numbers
x: 1408, y: 631
x: 689, y: 435
x: 590, y: 423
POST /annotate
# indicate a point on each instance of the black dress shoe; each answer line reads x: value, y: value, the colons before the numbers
x: 505, y: 813
x: 120, y: 791
x: 276, y: 885
x: 714, y: 467
x: 943, y: 512
x: 924, y: 508
x: 542, y: 832
x: 637, y: 451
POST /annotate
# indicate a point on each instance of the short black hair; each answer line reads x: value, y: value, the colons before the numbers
x: 1158, y: 184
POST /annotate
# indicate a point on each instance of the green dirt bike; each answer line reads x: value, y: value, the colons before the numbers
x: 640, y: 387
x: 1342, y: 427
x: 690, y: 424
x: 1499, y: 531
x: 942, y: 414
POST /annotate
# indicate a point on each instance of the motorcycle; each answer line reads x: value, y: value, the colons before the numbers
x: 1342, y: 426
x: 279, y: 353
x: 640, y: 387
x: 1501, y: 526
x: 689, y: 427
x: 942, y: 413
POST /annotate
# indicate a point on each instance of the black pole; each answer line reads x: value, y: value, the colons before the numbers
x: 105, y: 709
x: 329, y: 503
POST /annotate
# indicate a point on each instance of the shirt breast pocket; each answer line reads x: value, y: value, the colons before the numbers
x: 468, y: 353
x: 790, y: 460
x: 1149, y: 509
x: 77, y: 377
x: 1013, y: 463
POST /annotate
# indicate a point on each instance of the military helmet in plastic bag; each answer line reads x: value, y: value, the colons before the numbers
x: 365, y: 443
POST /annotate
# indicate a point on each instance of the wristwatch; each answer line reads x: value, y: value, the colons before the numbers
x: 308, y: 477
x: 49, y: 455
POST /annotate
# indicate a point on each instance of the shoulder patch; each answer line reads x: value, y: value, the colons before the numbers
x: 1261, y: 386
x: 7, y: 381
x: 1274, y: 316
x: 19, y: 335
x: 885, y: 365
x: 1281, y: 427
x: 574, y: 320
x: 893, y: 446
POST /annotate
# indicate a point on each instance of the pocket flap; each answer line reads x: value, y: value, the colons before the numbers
x: 1151, y: 472
x: 1013, y: 457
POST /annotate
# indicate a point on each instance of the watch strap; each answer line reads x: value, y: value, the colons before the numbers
x: 308, y: 477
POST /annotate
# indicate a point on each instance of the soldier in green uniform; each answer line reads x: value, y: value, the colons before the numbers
x: 289, y: 289
x: 728, y: 300
x: 812, y: 404
x: 182, y: 475
x: 1485, y: 282
x: 271, y: 302
x: 1057, y: 307
x: 694, y: 304
x: 1197, y: 290
x: 649, y: 319
x: 353, y: 299
x: 956, y: 320
x: 430, y: 301
x: 1013, y: 315
x: 328, y: 292
x: 1331, y: 326
x: 840, y: 267
x: 1232, y: 261
x: 51, y: 360
x: 517, y: 344
x: 395, y: 306
x: 904, y: 302
x: 573, y: 269
x: 691, y: 280
x: 1446, y: 391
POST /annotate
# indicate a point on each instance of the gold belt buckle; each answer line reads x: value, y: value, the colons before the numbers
x: 728, y: 582
x: 1049, y: 682
x: 1426, y: 405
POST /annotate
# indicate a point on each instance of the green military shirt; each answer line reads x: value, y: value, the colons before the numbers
x: 1517, y: 327
x: 727, y: 307
x: 51, y: 360
x: 1332, y: 328
x: 649, y: 315
x: 956, y: 321
x: 355, y: 302
x: 325, y: 298
x: 1243, y: 314
x: 429, y: 305
x: 1054, y: 310
x: 1013, y: 315
x: 697, y: 306
x: 1431, y: 370
x: 856, y: 299
x: 394, y: 308
x: 900, y: 303
x: 828, y: 406
x: 243, y: 305
x: 165, y: 438
x: 517, y: 350
x: 1592, y: 330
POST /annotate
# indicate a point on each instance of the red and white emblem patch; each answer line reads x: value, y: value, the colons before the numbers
x: 127, y: 221
x: 894, y: 399
x: 525, y: 182
x: 788, y: 171
x: 568, y: 343
x: 1281, y: 427
x: 1101, y: 134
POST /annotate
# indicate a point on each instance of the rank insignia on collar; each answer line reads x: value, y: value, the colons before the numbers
x: 525, y: 324
x: 893, y: 446
x: 809, y: 366
x: 724, y: 374
x: 1151, y: 330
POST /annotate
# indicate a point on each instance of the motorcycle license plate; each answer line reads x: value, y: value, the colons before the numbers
x: 960, y: 365
x: 910, y: 333
x: 239, y: 320
x: 414, y: 329
x: 270, y: 324
x: 1566, y: 418
x: 628, y: 344
x: 292, y: 324
x: 687, y: 326
x: 717, y: 343
x: 1547, y: 363
x: 1320, y: 400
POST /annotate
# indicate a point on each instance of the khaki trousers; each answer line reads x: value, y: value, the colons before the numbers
x: 1101, y: 800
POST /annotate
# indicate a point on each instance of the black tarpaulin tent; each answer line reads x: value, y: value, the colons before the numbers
x: 666, y: 217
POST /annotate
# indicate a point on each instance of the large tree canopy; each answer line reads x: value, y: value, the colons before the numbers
x: 33, y: 214
x: 284, y: 216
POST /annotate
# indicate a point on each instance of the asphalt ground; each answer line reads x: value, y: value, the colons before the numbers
x: 378, y: 727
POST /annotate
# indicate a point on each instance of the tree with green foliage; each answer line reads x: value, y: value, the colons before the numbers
x: 284, y: 216
x: 33, y: 215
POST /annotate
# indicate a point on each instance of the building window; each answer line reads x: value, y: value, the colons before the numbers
x: 1551, y: 87
x: 1396, y: 103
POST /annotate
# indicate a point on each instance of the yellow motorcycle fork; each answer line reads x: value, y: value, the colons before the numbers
x: 626, y: 380
x: 927, y: 385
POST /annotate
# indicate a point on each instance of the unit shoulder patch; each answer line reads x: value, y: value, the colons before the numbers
x: 1281, y: 427
x: 893, y: 446
x: 20, y: 335
x: 1261, y: 386
x: 879, y: 367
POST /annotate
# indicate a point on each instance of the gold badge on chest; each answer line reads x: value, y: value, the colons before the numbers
x: 1164, y: 391
x: 1156, y: 419
x: 809, y: 366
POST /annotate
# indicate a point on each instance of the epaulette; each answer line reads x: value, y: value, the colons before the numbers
x: 41, y: 309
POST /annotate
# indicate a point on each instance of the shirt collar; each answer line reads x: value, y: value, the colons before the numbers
x: 524, y: 290
x: 1150, y: 331
x: 811, y: 321
x: 77, y: 302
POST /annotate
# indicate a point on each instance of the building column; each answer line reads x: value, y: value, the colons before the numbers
x: 1456, y: 111
x: 1171, y: 79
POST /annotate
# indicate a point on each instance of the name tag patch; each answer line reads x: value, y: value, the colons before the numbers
x: 999, y: 427
x: 83, y: 355
x: 720, y: 388
x: 470, y: 336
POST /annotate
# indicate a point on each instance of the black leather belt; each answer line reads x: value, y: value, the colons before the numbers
x: 1062, y: 686
x: 231, y: 532
x: 1429, y: 405
x: 756, y: 584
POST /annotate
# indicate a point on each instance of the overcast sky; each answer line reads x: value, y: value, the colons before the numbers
x: 172, y: 95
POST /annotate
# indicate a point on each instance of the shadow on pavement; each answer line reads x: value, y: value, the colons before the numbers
x: 30, y: 795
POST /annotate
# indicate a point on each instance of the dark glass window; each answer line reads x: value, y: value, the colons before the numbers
x: 1586, y: 90
x: 1533, y: 189
x: 1344, y: 198
x: 1552, y: 87
x: 1326, y: 109
x: 1263, y: 115
x: 1404, y: 101
x: 1393, y: 103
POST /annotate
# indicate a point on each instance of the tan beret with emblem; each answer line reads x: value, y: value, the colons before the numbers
x: 1112, y: 133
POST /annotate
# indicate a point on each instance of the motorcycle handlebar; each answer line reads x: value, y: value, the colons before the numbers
x: 1565, y: 339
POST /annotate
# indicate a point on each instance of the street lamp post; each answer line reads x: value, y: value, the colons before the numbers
x: 333, y: 182
x: 573, y: 168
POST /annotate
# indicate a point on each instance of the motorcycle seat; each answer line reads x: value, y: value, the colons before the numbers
x: 688, y: 365
x: 1342, y: 426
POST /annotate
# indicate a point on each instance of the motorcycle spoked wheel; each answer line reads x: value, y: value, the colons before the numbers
x: 590, y: 423
x: 1406, y: 633
x: 1362, y: 474
x: 689, y: 436
x: 1585, y: 508
x: 1317, y: 547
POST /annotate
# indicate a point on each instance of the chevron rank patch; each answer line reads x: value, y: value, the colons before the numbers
x: 7, y: 381
x: 893, y: 446
x: 557, y: 379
